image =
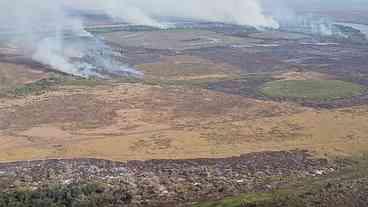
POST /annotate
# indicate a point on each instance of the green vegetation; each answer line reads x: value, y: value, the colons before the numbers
x: 127, y: 28
x: 320, y: 90
x: 41, y: 86
x: 37, y: 87
x: 202, y: 82
x: 245, y: 82
x: 105, y: 30
x: 272, y: 199
x: 239, y: 201
x: 73, y: 195
x: 89, y: 82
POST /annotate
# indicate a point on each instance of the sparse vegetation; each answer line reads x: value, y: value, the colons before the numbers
x: 41, y: 86
x: 252, y: 199
x: 340, y: 189
x: 246, y: 85
x: 37, y: 87
x: 271, y: 199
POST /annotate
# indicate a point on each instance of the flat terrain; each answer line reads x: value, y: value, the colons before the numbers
x: 185, y: 67
x: 312, y: 89
x: 181, y: 39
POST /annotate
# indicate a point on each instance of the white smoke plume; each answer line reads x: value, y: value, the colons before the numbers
x: 44, y: 28
x: 312, y: 16
x: 147, y: 12
x: 50, y: 36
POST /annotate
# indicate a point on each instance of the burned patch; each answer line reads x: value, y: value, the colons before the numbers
x: 248, y: 61
x: 246, y: 86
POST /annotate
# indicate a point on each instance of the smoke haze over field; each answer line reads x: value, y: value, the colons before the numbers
x: 48, y: 34
x: 42, y: 25
x: 242, y: 12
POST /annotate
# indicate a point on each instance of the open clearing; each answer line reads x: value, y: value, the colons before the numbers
x: 312, y: 89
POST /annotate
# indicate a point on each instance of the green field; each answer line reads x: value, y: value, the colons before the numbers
x: 320, y: 90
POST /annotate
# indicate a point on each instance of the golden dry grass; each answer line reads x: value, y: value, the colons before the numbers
x: 134, y: 121
x: 12, y: 75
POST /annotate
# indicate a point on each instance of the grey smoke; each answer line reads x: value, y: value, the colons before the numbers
x: 310, y: 24
x: 49, y: 35
x: 147, y: 12
x: 311, y: 17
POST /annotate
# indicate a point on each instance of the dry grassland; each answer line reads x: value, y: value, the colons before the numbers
x: 12, y: 75
x: 134, y: 121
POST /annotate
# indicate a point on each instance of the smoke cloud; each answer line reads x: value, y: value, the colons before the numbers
x: 314, y: 17
x: 47, y: 34
x: 148, y: 12
x: 44, y: 29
